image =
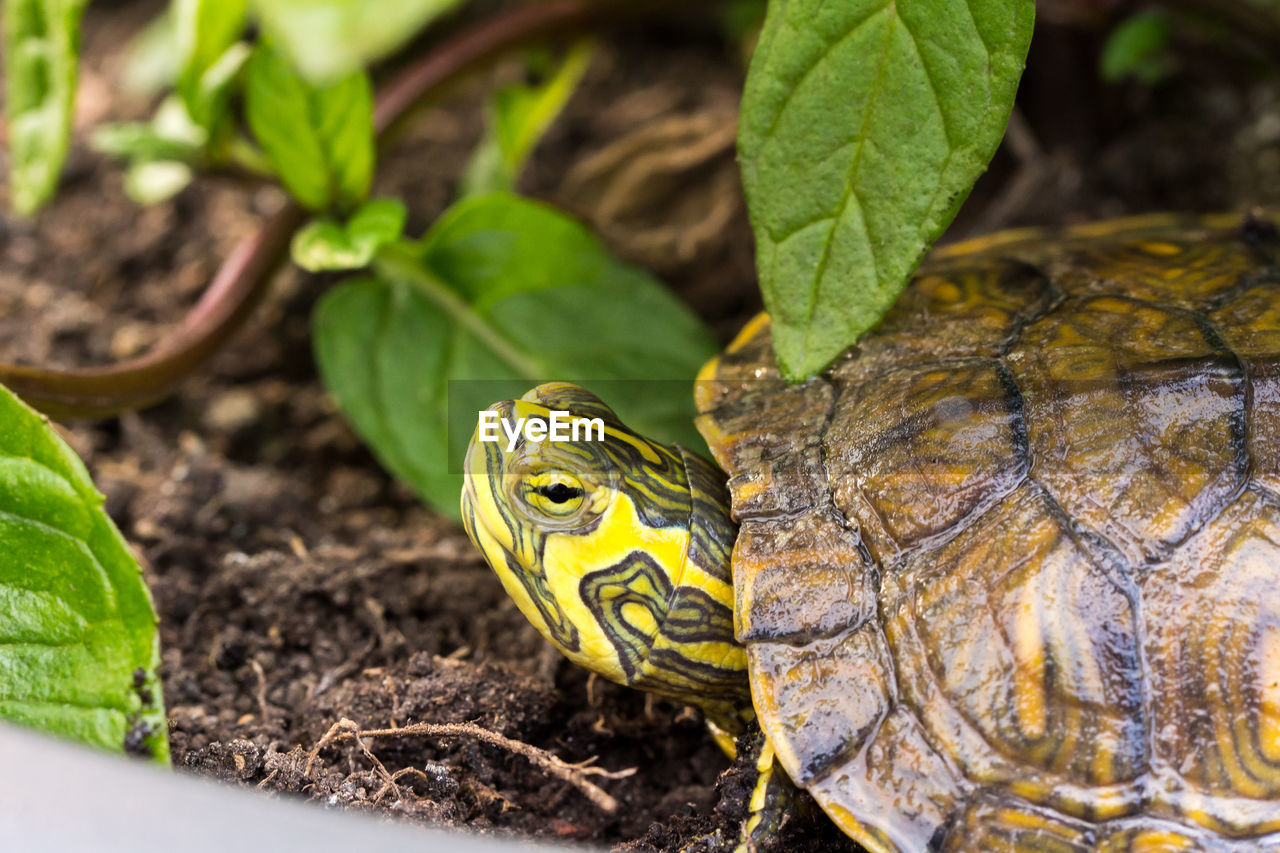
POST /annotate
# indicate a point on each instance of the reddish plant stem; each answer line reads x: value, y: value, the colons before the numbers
x: 242, y: 279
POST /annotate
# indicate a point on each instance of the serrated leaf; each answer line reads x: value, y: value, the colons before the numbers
x: 41, y: 50
x: 326, y: 39
x: 78, y: 642
x: 519, y: 116
x: 328, y: 245
x: 503, y: 294
x: 864, y: 125
x: 319, y: 139
x: 205, y: 30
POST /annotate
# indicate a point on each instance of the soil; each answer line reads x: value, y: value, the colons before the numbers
x: 298, y: 585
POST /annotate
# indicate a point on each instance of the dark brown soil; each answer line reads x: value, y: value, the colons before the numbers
x: 297, y: 585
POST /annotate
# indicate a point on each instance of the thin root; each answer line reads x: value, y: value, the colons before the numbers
x: 574, y: 774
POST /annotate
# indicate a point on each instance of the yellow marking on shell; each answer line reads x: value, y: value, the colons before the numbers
x: 1023, y: 820
x: 1107, y: 228
x: 872, y: 840
x: 704, y: 382
x: 749, y: 490
x: 1228, y: 220
x: 944, y: 289
x: 1159, y: 247
x: 1269, y: 688
x: 1146, y: 841
x: 752, y: 328
x: 1028, y: 651
x: 990, y: 241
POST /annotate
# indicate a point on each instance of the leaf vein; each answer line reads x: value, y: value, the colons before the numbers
x: 813, y: 66
x: 863, y: 131
x: 933, y: 88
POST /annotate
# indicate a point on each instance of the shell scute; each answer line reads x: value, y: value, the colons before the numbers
x: 1018, y: 648
x: 913, y: 452
x: 770, y: 553
x: 829, y: 695
x: 899, y: 793
x: 1135, y: 419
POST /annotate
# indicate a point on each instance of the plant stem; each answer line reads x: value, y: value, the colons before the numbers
x: 395, y: 263
x: 242, y: 279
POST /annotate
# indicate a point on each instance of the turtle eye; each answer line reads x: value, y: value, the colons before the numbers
x: 559, y: 493
x: 553, y: 494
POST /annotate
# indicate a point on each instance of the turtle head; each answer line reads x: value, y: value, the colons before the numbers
x: 614, y: 546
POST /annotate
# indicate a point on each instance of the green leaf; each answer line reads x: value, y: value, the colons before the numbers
x: 41, y: 47
x: 519, y: 117
x: 326, y: 39
x: 327, y: 245
x: 319, y: 139
x: 154, y: 181
x: 206, y: 32
x: 1139, y: 48
x: 78, y: 642
x: 503, y: 293
x: 864, y: 125
x: 149, y: 140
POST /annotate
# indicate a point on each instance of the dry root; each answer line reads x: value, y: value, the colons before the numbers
x: 574, y: 774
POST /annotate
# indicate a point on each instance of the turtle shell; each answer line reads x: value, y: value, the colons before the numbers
x: 1009, y: 570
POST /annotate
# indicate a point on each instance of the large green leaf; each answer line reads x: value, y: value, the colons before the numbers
x: 78, y: 644
x: 41, y: 48
x: 864, y: 125
x: 329, y: 38
x: 503, y: 293
x: 319, y: 139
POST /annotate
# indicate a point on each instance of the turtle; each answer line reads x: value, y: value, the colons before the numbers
x: 1004, y: 577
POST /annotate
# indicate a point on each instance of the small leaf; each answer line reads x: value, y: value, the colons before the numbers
x: 326, y: 39
x: 154, y: 181
x: 169, y: 136
x: 504, y: 293
x: 519, y: 117
x: 41, y: 48
x: 864, y: 125
x: 319, y: 139
x: 205, y: 30
x: 325, y: 245
x: 78, y: 642
x: 1139, y: 48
